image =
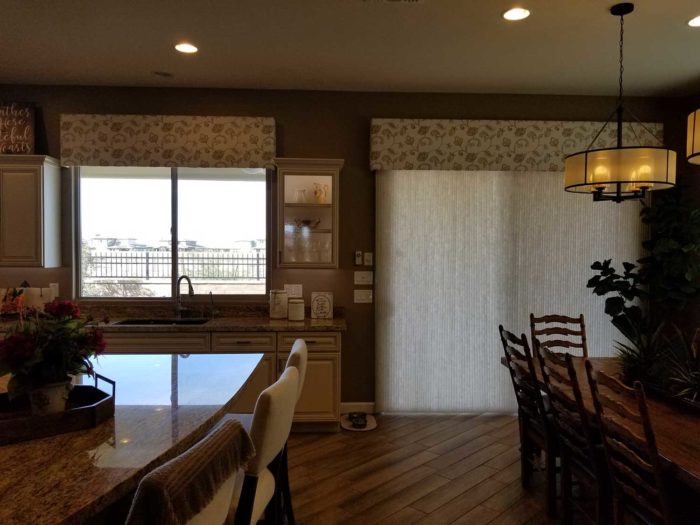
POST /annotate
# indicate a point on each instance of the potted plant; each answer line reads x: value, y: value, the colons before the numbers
x: 647, y: 294
x: 44, y: 349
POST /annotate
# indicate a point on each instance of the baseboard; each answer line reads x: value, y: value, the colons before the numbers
x: 367, y: 406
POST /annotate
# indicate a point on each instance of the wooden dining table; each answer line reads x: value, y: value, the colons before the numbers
x: 165, y: 403
x: 677, y: 428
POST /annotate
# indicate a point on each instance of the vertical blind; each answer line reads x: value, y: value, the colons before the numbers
x: 459, y: 253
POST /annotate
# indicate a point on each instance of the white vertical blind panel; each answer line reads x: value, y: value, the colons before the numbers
x: 459, y: 253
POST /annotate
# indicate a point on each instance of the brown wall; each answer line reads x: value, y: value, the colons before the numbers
x: 313, y: 124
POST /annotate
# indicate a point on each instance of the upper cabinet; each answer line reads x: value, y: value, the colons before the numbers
x: 30, y: 211
x: 308, y: 212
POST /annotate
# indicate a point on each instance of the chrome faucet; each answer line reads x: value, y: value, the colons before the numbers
x: 178, y: 298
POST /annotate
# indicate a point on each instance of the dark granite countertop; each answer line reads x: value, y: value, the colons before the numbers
x: 70, y: 477
x: 235, y: 324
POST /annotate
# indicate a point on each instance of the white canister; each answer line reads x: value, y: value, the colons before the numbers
x: 296, y: 309
x: 278, y: 304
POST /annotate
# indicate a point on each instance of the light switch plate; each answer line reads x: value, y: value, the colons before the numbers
x: 369, y: 259
x: 363, y: 296
x: 358, y: 258
x: 363, y: 277
x: 293, y: 290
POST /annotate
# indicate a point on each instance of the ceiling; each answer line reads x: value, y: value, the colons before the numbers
x: 565, y: 47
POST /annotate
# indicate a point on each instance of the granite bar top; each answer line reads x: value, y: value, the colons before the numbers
x: 236, y: 324
x: 164, y: 404
x: 247, y: 323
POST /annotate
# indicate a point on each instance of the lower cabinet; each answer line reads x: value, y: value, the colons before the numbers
x: 320, y: 398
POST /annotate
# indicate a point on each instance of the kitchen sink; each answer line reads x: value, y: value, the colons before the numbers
x: 160, y: 322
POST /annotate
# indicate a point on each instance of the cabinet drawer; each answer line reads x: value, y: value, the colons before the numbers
x: 145, y: 343
x: 315, y: 341
x: 242, y: 342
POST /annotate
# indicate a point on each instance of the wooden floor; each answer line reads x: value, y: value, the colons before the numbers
x: 419, y: 469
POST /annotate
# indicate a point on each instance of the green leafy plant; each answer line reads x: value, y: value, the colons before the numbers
x: 642, y: 299
x: 683, y: 379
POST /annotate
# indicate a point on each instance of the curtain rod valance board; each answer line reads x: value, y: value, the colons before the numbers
x: 491, y: 145
x: 167, y: 140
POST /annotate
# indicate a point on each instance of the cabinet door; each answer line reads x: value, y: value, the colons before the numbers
x: 20, y: 216
x: 260, y: 379
x: 308, y: 212
x: 320, y: 396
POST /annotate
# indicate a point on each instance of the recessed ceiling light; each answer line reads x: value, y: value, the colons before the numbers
x: 186, y: 47
x: 694, y: 22
x: 517, y: 13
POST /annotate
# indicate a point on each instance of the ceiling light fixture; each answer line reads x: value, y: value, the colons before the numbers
x: 694, y: 22
x: 693, y: 149
x: 186, y: 47
x: 623, y: 172
x: 515, y: 14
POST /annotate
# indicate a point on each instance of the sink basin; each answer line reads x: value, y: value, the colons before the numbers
x: 160, y: 322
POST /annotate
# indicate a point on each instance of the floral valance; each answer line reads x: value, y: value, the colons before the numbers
x: 167, y: 140
x: 491, y: 145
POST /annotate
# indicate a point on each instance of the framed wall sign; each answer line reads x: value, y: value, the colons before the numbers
x: 16, y: 128
x: 321, y: 305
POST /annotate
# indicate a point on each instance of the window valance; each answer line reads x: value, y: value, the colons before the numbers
x: 167, y: 140
x: 490, y: 145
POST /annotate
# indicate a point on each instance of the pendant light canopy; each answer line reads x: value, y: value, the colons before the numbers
x: 693, y: 149
x: 623, y: 172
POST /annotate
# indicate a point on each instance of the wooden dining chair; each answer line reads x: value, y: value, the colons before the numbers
x: 560, y: 333
x: 536, y: 430
x: 196, y: 487
x: 580, y: 446
x: 630, y: 449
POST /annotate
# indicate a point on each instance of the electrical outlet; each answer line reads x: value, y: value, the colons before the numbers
x: 293, y: 290
x: 363, y: 277
x: 358, y: 258
x: 363, y: 296
x: 369, y: 259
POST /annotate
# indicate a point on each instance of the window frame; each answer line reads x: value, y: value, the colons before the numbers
x: 174, y: 240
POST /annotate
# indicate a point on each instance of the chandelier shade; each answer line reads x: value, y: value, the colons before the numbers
x: 623, y: 172
x: 693, y: 149
x: 627, y: 172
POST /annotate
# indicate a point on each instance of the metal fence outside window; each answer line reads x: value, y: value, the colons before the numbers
x: 250, y: 266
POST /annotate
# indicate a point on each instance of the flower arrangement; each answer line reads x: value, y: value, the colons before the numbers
x: 47, y: 347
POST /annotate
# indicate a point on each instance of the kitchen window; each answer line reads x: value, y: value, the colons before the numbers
x: 141, y: 228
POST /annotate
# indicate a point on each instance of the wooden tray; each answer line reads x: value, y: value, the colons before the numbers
x: 87, y: 407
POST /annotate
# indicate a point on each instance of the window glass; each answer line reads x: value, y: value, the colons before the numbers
x: 222, y: 229
x: 125, y: 232
x: 126, y: 238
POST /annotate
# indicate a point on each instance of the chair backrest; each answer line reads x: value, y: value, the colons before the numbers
x: 560, y: 333
x: 522, y: 374
x: 195, y: 487
x: 630, y: 446
x: 272, y: 419
x: 566, y: 403
x: 298, y: 358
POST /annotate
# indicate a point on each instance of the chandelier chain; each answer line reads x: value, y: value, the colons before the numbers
x: 622, y: 67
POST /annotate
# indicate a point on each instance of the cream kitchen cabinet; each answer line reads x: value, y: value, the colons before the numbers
x: 308, y: 212
x: 30, y: 211
x: 319, y: 405
x: 320, y: 397
x: 263, y: 376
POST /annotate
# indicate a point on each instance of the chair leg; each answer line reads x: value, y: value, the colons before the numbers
x: 525, y: 451
x: 551, y: 472
x: 287, y: 509
x: 566, y: 491
x: 244, y: 511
